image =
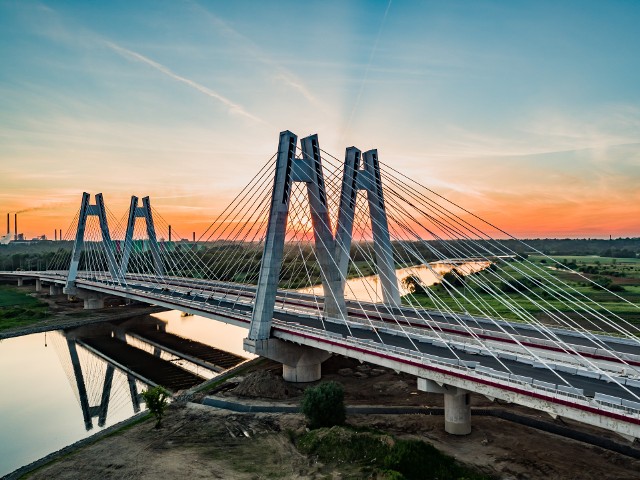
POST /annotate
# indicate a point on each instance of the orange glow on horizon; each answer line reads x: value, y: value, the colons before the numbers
x: 530, y: 219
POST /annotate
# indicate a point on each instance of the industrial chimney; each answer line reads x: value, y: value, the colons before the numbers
x: 15, y: 226
x: 8, y: 224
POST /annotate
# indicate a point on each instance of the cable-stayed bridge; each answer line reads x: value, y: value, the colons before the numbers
x: 319, y: 256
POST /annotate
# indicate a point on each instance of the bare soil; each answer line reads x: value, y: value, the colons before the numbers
x: 204, y: 442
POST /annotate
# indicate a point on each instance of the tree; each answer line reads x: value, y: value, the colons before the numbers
x: 601, y: 283
x: 412, y: 284
x: 323, y: 405
x: 157, y: 400
x: 453, y: 278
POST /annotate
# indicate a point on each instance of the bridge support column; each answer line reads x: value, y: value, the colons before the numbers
x: 299, y: 363
x: 38, y: 285
x: 92, y: 300
x: 55, y: 289
x: 21, y: 282
x: 457, y: 406
x: 457, y: 412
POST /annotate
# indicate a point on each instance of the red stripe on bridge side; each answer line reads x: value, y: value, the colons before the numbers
x: 539, y: 396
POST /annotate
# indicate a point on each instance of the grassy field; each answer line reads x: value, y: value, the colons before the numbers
x: 19, y: 309
x: 519, y: 297
x: 587, y: 259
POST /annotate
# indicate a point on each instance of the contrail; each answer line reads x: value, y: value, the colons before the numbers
x: 233, y: 107
x: 258, y: 54
x: 366, y: 72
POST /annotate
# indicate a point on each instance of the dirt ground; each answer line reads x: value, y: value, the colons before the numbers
x: 203, y: 442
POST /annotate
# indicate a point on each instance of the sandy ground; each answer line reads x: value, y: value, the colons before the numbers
x: 204, y: 442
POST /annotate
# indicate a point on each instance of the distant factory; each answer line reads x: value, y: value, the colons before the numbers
x: 16, y: 237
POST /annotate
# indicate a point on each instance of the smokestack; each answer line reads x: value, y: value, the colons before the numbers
x: 55, y: 235
x: 8, y: 224
x: 169, y: 232
x: 194, y: 236
x: 15, y: 226
x: 60, y: 234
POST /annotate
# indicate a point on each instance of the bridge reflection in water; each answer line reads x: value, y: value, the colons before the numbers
x: 137, y: 353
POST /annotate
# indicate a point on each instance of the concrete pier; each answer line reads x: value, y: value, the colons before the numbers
x: 457, y: 412
x: 457, y: 406
x: 299, y: 363
x: 92, y: 300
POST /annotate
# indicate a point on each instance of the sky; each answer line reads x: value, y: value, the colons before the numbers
x: 526, y: 112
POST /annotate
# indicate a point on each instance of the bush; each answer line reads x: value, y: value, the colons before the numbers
x: 157, y: 400
x: 413, y: 284
x: 601, y: 283
x: 390, y: 458
x: 323, y: 405
x: 453, y: 278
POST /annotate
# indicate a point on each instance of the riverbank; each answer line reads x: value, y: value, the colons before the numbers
x: 60, y: 313
x: 198, y: 441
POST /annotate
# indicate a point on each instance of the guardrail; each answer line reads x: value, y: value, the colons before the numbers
x: 600, y: 401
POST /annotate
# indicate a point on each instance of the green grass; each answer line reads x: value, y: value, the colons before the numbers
x: 383, y: 456
x: 586, y: 259
x: 12, y: 296
x: 535, y: 301
x: 18, y: 309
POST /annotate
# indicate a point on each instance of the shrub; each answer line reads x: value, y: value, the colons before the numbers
x: 390, y: 458
x: 601, y: 283
x: 157, y: 400
x: 323, y: 405
x: 453, y: 278
x: 413, y: 284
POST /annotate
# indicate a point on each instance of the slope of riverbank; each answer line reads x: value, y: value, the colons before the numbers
x: 205, y: 442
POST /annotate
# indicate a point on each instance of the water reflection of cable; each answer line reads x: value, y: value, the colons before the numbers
x: 99, y: 387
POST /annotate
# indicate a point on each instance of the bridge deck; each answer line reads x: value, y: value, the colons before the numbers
x: 145, y: 364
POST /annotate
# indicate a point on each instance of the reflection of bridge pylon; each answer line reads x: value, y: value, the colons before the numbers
x: 90, y: 411
x: 83, y: 382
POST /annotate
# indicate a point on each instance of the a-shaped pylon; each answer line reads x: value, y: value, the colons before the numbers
x: 135, y: 212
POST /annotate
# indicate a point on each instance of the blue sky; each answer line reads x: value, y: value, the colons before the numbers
x: 527, y: 111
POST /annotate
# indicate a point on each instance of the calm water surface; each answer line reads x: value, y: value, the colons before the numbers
x: 369, y: 289
x: 40, y: 404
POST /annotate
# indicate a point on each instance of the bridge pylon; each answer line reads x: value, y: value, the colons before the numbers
x: 369, y: 180
x: 332, y: 251
x: 289, y: 170
x: 145, y: 212
x: 87, y: 210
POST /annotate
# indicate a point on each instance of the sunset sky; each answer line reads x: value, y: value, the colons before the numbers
x: 526, y: 112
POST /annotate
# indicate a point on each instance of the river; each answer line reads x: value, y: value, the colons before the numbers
x: 40, y: 404
x: 369, y: 289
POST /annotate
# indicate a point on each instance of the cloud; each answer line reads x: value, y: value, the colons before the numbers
x: 232, y: 106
